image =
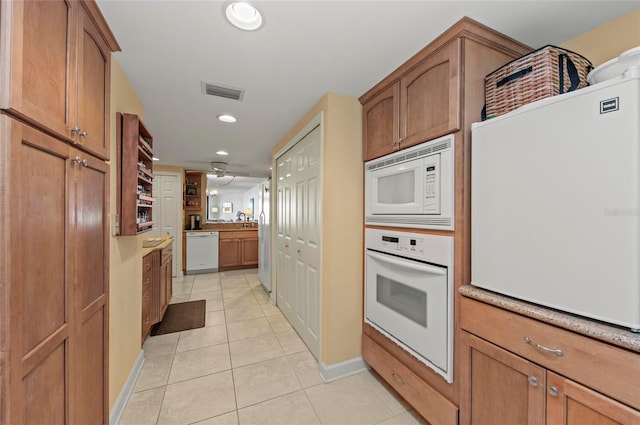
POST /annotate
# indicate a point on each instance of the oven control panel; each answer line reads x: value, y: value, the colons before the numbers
x: 402, y: 244
x: 434, y: 249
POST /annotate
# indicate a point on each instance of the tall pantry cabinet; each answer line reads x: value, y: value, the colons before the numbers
x: 54, y: 188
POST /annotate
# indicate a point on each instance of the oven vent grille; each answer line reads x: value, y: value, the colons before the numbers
x: 429, y: 149
x: 219, y: 90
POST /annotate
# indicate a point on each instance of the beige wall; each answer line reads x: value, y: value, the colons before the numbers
x: 125, y: 259
x: 342, y: 224
x: 342, y: 232
x: 608, y: 40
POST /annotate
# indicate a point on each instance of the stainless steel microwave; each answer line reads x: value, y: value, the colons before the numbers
x: 413, y: 187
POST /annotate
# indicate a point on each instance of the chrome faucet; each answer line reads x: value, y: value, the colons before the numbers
x: 244, y: 216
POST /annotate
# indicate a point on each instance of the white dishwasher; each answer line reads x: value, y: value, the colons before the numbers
x: 202, y: 252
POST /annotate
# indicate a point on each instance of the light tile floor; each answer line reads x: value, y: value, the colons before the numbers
x: 248, y: 366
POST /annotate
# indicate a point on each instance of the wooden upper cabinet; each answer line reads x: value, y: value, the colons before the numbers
x: 94, y: 62
x: 429, y: 97
x: 55, y: 69
x: 424, y: 103
x: 36, y: 65
x: 381, y: 130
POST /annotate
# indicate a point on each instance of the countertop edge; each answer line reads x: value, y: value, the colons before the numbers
x: 611, y: 334
x: 243, y: 229
x: 163, y: 244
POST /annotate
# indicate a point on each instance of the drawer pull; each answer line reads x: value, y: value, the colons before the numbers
x: 533, y: 381
x: 558, y: 352
x: 397, y: 378
x: 553, y: 391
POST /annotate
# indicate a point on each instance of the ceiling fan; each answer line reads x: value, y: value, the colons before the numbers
x: 219, y: 168
x: 224, y: 169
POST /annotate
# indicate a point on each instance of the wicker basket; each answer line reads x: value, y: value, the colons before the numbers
x: 545, y: 72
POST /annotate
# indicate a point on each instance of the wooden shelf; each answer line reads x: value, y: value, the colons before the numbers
x: 146, y: 225
x: 145, y: 155
x: 193, y: 186
x: 135, y: 175
x: 146, y: 198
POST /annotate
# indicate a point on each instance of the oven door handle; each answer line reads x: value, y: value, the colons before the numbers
x: 409, y: 264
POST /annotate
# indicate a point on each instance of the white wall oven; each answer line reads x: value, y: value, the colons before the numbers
x: 413, y: 187
x: 409, y: 294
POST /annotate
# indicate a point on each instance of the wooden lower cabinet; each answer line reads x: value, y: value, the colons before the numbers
x: 508, y: 389
x: 157, y: 287
x: 428, y: 402
x: 166, y: 279
x: 249, y: 251
x: 569, y: 403
x: 505, y: 389
x: 508, y: 381
x: 238, y: 250
x: 147, y: 285
x: 53, y: 280
x: 229, y: 253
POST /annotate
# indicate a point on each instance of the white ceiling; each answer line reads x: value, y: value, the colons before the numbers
x: 305, y: 49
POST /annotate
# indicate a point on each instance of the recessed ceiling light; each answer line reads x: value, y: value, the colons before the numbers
x: 244, y: 16
x: 222, y: 153
x: 227, y: 118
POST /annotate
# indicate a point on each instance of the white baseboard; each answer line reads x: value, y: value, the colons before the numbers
x: 127, y: 389
x: 342, y: 369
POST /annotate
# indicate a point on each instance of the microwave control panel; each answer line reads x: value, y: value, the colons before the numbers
x: 432, y: 184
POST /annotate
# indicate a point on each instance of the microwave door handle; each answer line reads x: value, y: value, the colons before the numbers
x: 414, y: 265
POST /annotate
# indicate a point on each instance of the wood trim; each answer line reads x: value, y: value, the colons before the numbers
x: 10, y: 12
x: 238, y: 234
x: 5, y: 264
x: 42, y: 350
x: 100, y: 22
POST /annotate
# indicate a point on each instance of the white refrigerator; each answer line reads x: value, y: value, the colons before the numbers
x: 264, y: 235
x: 556, y: 202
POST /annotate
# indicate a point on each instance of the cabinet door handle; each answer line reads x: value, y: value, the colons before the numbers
x: 84, y: 163
x: 75, y: 130
x: 557, y: 351
x: 397, y: 378
x: 83, y: 134
x: 77, y: 160
x: 533, y: 381
x: 553, y: 391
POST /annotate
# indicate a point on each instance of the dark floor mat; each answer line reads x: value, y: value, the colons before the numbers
x: 181, y: 317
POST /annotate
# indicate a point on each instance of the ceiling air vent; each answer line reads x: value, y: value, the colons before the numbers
x: 214, y: 89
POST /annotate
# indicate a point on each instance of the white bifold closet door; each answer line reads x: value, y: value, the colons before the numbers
x: 298, y: 286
